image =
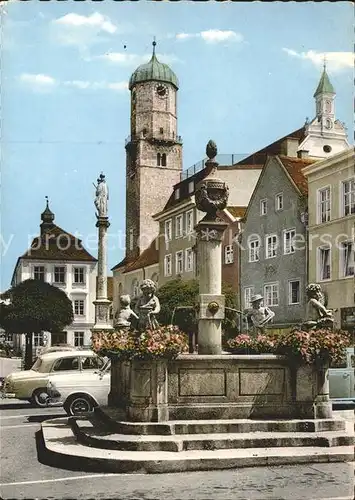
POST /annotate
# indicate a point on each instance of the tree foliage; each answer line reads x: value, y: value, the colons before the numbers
x: 178, y: 294
x: 35, y: 306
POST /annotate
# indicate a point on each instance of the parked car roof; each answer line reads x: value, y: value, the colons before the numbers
x: 66, y: 354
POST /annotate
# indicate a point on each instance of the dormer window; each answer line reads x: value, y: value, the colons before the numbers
x: 177, y: 193
x: 191, y: 187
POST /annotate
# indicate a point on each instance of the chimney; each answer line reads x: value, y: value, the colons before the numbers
x: 302, y: 153
x: 289, y: 146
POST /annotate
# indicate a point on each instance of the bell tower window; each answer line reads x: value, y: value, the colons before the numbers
x: 144, y: 132
x: 161, y: 130
x: 163, y: 160
x: 158, y: 159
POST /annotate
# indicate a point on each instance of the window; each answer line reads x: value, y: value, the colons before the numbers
x: 324, y: 205
x: 135, y: 288
x: 177, y: 193
x: 163, y: 160
x: 191, y: 187
x: 189, y: 259
x: 131, y: 239
x: 38, y: 273
x: 328, y: 107
x: 327, y: 148
x: 79, y: 307
x: 158, y: 159
x: 263, y: 207
x: 189, y: 222
x: 254, y: 247
x: 167, y: 265
x: 228, y: 254
x: 248, y: 292
x: 79, y: 275
x: 178, y: 226
x: 66, y: 364
x: 289, y: 241
x: 91, y: 363
x: 294, y: 292
x: 78, y: 339
x: 168, y: 230
x: 324, y: 263
x: 59, y: 274
x: 179, y: 262
x: 161, y: 130
x: 144, y: 132
x: 271, y: 246
x: 38, y: 339
x: 347, y: 258
x: 271, y: 294
x: 348, y: 197
x: 279, y: 201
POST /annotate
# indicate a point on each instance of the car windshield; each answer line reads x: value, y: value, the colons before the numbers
x: 41, y: 365
x: 37, y: 365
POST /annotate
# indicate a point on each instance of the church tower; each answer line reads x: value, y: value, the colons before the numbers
x: 324, y: 135
x: 153, y: 151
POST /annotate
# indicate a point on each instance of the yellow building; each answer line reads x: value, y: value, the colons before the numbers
x: 331, y: 229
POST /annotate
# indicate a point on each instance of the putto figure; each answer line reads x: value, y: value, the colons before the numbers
x: 101, y: 198
x: 318, y: 316
x: 125, y: 314
x: 148, y: 306
x: 258, y: 315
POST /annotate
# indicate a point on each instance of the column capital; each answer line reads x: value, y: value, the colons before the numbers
x: 210, y: 230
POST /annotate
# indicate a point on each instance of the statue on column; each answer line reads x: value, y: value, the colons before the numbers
x: 318, y: 316
x: 148, y: 306
x: 259, y: 315
x: 101, y: 198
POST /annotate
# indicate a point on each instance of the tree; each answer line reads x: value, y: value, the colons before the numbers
x: 179, y: 301
x: 35, y: 307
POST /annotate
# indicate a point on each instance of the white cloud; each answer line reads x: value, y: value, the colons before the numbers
x: 87, y: 85
x: 38, y: 82
x: 213, y: 36
x: 335, y: 61
x: 78, y: 30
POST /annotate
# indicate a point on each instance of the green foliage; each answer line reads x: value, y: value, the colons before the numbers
x: 178, y: 293
x: 35, y: 306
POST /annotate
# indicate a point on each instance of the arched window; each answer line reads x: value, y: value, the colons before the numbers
x: 163, y: 160
x: 135, y: 288
x: 158, y: 159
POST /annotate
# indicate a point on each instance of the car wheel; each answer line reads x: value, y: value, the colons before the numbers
x: 40, y: 397
x: 77, y: 405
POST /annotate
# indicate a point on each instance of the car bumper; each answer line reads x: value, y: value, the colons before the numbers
x: 7, y: 395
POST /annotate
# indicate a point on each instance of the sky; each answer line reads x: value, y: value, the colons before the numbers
x: 247, y: 74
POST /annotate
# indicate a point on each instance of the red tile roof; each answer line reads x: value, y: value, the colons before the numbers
x: 148, y: 257
x: 57, y: 244
x: 294, y: 168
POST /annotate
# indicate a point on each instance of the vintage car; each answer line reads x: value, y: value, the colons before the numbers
x: 342, y: 379
x: 80, y: 394
x: 31, y: 385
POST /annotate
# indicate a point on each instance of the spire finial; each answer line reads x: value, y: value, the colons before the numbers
x: 325, y: 61
x: 47, y: 201
x: 154, y: 45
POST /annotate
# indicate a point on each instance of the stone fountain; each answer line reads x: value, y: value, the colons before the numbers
x: 208, y: 410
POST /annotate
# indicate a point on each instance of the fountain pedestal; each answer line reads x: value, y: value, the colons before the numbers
x: 211, y: 301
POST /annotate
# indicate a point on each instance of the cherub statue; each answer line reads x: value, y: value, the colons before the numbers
x: 258, y: 315
x: 123, y: 316
x: 318, y: 316
x: 148, y: 306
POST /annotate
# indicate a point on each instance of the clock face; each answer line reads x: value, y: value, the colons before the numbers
x: 162, y: 91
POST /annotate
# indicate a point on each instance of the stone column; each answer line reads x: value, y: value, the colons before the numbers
x: 211, y: 196
x: 211, y: 303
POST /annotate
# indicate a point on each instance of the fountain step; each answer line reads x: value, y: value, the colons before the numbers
x: 107, y: 418
x: 89, y: 435
x: 61, y: 449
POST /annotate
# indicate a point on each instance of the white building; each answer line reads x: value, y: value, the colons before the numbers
x: 59, y: 258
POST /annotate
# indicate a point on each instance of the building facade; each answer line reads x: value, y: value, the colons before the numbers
x: 273, y: 241
x: 331, y: 188
x: 59, y: 258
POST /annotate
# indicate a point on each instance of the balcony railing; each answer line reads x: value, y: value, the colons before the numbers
x: 157, y: 137
x: 223, y: 159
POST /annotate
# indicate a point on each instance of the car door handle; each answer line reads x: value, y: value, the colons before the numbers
x: 346, y: 375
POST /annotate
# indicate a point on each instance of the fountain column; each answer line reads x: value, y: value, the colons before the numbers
x: 211, y: 196
x: 102, y: 304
